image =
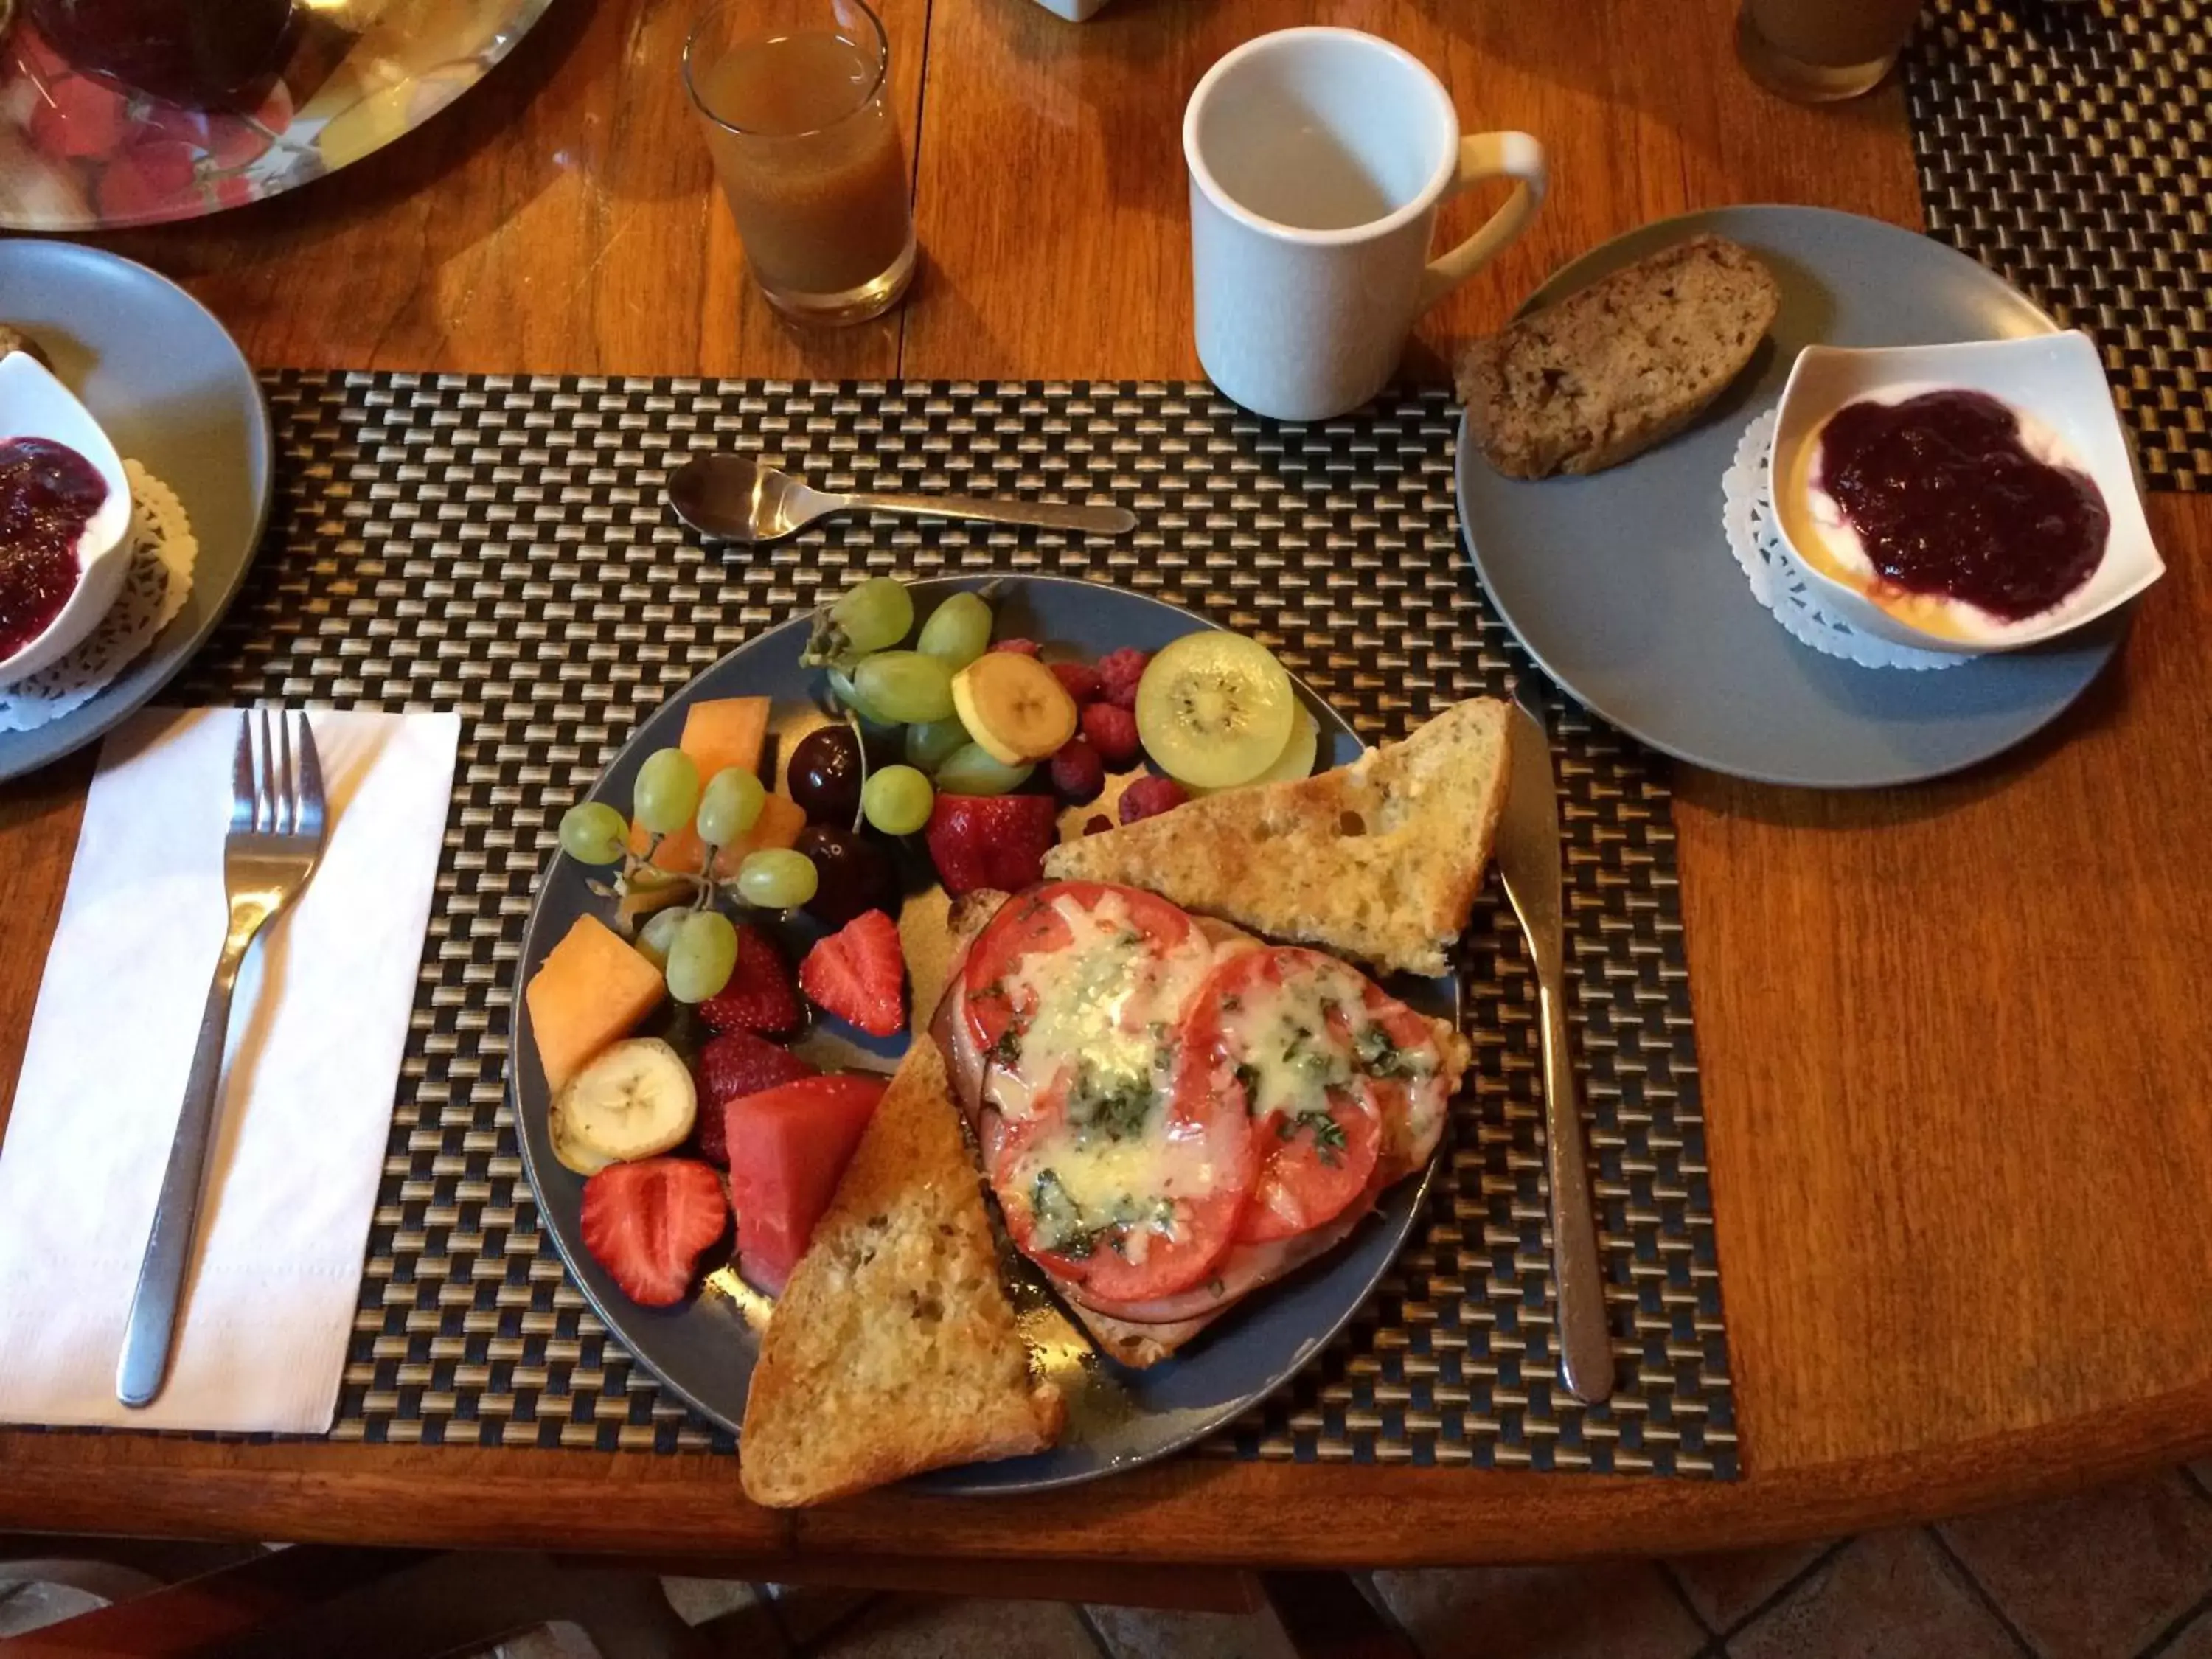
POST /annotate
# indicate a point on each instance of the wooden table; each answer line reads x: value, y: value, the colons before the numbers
x: 1954, y: 1038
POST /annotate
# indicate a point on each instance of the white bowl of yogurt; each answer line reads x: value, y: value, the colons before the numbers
x: 1961, y: 498
x: 65, y: 519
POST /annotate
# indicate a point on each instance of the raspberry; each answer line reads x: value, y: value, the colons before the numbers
x: 1019, y: 647
x: 1149, y: 797
x: 1118, y: 674
x: 1077, y: 771
x: 1112, y: 731
x: 1079, y: 679
x: 1097, y: 822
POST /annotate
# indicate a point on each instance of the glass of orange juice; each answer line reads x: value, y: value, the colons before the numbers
x: 793, y: 94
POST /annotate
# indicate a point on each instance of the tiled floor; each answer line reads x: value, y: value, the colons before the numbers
x: 2121, y: 1573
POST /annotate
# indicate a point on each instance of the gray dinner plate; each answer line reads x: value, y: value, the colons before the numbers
x: 704, y: 1348
x: 171, y: 388
x: 1622, y: 587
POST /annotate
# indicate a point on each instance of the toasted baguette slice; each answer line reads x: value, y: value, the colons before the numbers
x: 894, y: 1348
x: 1378, y: 860
x: 1629, y: 361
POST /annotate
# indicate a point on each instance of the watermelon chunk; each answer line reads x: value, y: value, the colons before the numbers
x: 789, y: 1146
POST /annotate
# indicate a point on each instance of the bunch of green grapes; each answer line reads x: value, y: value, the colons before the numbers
x: 696, y: 946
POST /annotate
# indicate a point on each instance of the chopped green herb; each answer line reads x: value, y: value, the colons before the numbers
x: 1232, y: 1004
x: 1007, y: 1047
x: 1115, y: 1105
x: 1248, y: 1079
x: 1328, y: 1133
x: 1058, y: 1220
x: 1379, y: 1057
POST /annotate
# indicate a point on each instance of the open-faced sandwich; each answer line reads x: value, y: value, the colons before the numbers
x: 1148, y: 1058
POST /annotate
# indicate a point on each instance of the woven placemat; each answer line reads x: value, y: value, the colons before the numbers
x: 2067, y: 147
x: 498, y: 547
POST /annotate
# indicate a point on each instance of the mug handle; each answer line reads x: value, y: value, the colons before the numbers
x: 1489, y: 155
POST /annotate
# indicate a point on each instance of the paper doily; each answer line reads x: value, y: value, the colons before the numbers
x: 154, y: 588
x: 1778, y: 581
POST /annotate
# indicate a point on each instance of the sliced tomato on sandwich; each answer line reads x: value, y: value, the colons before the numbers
x: 1108, y: 1178
x: 1322, y: 1059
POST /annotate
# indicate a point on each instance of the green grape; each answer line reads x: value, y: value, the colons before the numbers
x: 928, y: 744
x: 972, y: 769
x: 842, y: 689
x: 905, y: 687
x: 729, y: 805
x: 593, y: 832
x: 777, y: 879
x: 666, y: 793
x: 659, y: 934
x: 701, y: 955
x: 873, y: 616
x: 897, y: 799
x: 959, y: 630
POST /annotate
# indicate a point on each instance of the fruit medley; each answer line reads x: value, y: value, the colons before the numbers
x: 664, y: 1036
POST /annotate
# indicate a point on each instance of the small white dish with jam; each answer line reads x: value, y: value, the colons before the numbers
x: 65, y: 510
x: 1964, y: 498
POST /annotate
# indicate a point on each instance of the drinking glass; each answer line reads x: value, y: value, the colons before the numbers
x: 1819, y: 51
x: 793, y: 94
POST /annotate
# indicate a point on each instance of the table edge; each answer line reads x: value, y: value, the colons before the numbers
x: 1187, y: 1511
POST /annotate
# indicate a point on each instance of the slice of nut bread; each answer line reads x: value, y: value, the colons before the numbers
x: 1613, y: 369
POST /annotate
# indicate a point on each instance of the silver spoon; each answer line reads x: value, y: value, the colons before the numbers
x: 734, y: 498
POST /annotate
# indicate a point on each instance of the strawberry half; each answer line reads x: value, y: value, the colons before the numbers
x: 992, y: 840
x: 648, y: 1223
x: 729, y: 1067
x: 760, y: 996
x: 858, y: 974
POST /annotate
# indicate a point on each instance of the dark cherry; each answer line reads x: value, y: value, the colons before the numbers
x: 856, y: 874
x: 1947, y: 500
x: 824, y: 776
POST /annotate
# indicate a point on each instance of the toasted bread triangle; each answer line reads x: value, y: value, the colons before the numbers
x: 1378, y: 861
x: 894, y: 1348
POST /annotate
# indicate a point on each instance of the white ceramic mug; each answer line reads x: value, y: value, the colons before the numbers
x: 1318, y: 158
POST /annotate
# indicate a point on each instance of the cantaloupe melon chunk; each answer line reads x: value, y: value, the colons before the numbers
x: 592, y: 988
x: 778, y: 826
x: 720, y: 732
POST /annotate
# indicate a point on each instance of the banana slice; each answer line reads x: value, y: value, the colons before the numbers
x: 1013, y: 707
x: 635, y: 1100
x: 572, y: 1152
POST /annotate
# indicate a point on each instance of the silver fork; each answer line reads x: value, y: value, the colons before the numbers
x: 276, y: 837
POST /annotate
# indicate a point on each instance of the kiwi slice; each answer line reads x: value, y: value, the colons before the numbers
x: 1296, y: 760
x: 1215, y: 709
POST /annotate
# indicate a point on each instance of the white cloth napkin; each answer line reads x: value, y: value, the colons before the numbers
x: 317, y: 1029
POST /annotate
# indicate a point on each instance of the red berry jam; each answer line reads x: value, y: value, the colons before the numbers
x: 48, y: 495
x: 1948, y: 500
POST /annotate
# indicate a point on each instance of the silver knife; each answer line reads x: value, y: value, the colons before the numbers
x: 1527, y: 855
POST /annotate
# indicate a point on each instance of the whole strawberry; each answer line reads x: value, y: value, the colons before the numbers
x: 760, y: 996
x: 729, y: 1067
x: 992, y: 840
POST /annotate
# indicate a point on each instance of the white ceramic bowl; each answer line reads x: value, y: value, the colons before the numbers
x: 2055, y: 379
x: 34, y: 404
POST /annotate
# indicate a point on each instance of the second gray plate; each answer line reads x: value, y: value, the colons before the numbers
x: 1621, y: 585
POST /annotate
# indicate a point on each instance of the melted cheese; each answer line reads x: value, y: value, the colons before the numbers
x: 1281, y: 1034
x: 1094, y: 1025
